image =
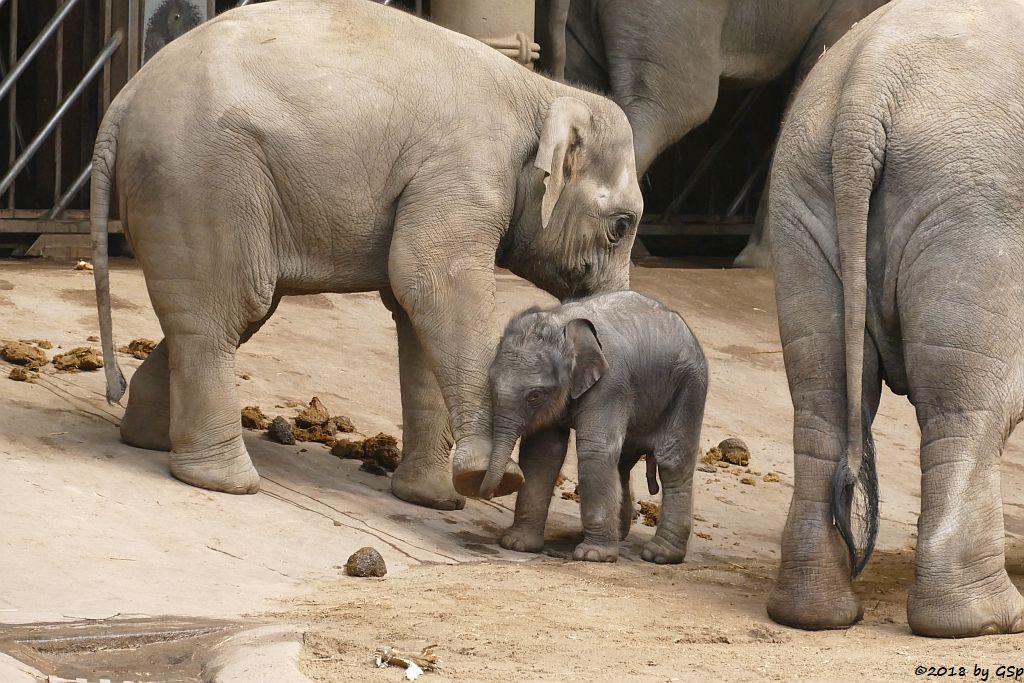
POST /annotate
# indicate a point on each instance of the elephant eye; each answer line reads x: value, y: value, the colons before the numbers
x: 621, y: 227
x: 534, y: 397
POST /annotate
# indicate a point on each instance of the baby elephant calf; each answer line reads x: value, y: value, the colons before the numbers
x: 629, y: 376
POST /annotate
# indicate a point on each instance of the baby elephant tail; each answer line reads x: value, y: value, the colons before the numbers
x: 104, y: 157
x: 858, y: 155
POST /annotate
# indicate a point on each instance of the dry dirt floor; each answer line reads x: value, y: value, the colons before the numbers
x: 95, y: 534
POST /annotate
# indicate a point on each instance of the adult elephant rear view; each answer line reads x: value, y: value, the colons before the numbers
x: 405, y: 159
x: 663, y: 61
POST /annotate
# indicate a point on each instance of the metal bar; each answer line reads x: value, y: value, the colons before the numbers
x: 242, y: 3
x: 2, y: 3
x: 107, y: 11
x: 58, y: 137
x: 37, y: 142
x: 12, y: 103
x: 37, y: 44
x: 134, y: 38
x: 66, y: 198
x: 750, y: 183
x: 711, y: 155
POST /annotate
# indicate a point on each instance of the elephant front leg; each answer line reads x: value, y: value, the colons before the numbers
x: 541, y: 456
x: 447, y: 290
x: 146, y: 421
x: 600, y: 497
x: 961, y: 587
x: 425, y: 475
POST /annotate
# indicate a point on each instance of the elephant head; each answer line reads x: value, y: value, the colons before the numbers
x: 578, y: 204
x: 540, y: 366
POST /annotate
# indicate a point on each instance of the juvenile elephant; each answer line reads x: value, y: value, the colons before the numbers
x: 305, y: 146
x: 664, y: 61
x: 897, y: 214
x: 630, y: 378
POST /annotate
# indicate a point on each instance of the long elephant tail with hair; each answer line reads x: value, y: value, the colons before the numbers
x: 858, y: 155
x: 103, y: 162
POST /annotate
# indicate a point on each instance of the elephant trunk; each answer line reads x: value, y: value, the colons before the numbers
x: 506, y: 433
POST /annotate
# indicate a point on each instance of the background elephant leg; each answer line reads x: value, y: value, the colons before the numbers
x: 598, y: 454
x: 146, y: 421
x: 757, y: 253
x: 540, y: 456
x: 967, y: 400
x: 425, y: 475
x: 814, y: 588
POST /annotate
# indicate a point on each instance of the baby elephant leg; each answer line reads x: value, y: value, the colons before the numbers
x: 600, y: 496
x: 540, y: 456
x: 626, y: 465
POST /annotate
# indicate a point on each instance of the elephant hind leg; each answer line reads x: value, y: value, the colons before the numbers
x: 965, y: 387
x: 146, y: 422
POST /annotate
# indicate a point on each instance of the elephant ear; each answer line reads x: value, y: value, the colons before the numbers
x: 588, y: 361
x: 558, y: 153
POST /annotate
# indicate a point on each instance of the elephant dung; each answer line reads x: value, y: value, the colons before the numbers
x: 730, y: 452
x: 281, y: 431
x: 771, y: 477
x: 651, y: 512
x: 80, y: 358
x: 140, y: 348
x: 20, y: 374
x: 253, y: 418
x: 315, y: 415
x: 366, y: 562
x: 572, y: 495
x: 41, y: 343
x: 21, y: 353
x: 378, y: 453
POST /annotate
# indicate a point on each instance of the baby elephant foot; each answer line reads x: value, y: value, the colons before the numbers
x: 589, y: 552
x: 660, y: 551
x: 980, y: 610
x: 230, y: 472
x: 522, y: 540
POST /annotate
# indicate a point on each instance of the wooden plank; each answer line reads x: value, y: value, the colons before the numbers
x: 695, y: 229
x: 60, y: 227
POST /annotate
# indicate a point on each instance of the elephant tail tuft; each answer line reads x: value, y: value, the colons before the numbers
x: 858, y: 157
x: 103, y: 162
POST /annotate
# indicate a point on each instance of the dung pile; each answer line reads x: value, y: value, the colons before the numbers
x: 651, y: 512
x: 80, y: 358
x: 315, y: 423
x: 380, y: 454
x: 730, y: 452
x: 20, y: 374
x: 24, y: 354
x: 140, y: 348
x: 253, y: 418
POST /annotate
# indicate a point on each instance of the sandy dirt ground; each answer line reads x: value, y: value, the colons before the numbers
x: 96, y: 530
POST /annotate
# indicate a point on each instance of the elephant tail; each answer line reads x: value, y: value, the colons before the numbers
x: 858, y: 155
x: 103, y: 162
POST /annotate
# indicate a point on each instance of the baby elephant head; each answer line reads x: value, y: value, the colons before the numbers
x: 541, y: 365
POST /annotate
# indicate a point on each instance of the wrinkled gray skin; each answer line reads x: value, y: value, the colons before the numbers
x: 898, y: 189
x: 664, y: 61
x: 630, y: 378
x: 304, y: 146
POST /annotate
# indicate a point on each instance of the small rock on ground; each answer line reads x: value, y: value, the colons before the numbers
x: 281, y: 431
x: 366, y: 562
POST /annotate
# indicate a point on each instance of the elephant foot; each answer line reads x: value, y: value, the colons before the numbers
x: 814, y: 598
x: 522, y: 540
x: 754, y: 256
x: 227, y: 472
x: 426, y: 483
x: 590, y: 552
x: 469, y: 467
x: 984, y: 608
x: 141, y: 433
x: 660, y: 551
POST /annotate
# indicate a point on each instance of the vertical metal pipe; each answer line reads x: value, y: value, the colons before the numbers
x: 12, y: 103
x: 58, y: 137
x: 107, y: 14
x: 134, y: 37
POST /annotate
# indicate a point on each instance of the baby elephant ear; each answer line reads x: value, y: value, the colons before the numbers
x: 588, y: 361
x: 561, y: 141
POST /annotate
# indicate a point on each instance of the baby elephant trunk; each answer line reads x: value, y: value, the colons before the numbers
x: 506, y: 433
